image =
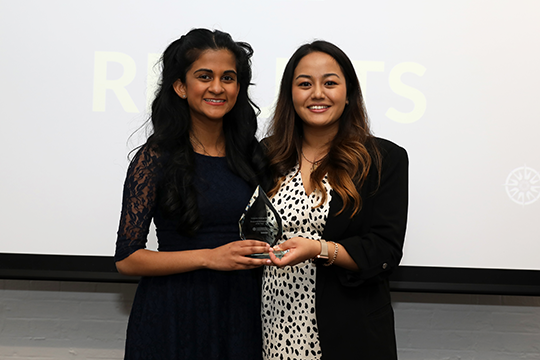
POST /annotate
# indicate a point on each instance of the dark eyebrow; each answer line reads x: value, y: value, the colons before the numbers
x: 309, y: 76
x: 210, y: 71
x: 203, y: 70
x: 303, y: 76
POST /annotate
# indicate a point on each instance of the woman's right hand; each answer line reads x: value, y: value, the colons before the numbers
x: 233, y: 256
x: 299, y: 249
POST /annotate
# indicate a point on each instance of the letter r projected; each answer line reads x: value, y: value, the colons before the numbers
x: 118, y: 86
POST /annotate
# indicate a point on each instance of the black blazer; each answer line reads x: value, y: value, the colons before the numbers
x: 354, y: 313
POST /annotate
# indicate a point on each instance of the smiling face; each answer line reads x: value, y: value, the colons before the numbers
x: 211, y: 85
x: 319, y: 91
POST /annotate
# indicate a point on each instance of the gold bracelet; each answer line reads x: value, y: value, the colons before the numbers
x: 336, y: 248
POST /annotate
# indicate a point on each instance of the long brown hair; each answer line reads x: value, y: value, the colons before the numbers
x: 353, y: 151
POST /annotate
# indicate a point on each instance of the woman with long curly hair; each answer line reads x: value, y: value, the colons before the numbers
x: 199, y: 295
x: 342, y: 194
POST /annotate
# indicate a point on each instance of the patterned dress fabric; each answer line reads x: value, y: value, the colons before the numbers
x: 288, y: 299
x: 203, y: 314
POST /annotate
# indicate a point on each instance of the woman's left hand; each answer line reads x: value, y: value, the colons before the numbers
x: 300, y: 249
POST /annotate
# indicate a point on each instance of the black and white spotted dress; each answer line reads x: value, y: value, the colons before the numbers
x: 288, y: 298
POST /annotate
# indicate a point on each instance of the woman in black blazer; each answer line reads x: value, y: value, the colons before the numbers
x: 342, y: 194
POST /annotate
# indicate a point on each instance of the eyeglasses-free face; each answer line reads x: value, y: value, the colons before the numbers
x: 211, y: 86
x: 319, y: 91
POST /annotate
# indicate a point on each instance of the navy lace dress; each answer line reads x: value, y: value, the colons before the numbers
x: 203, y: 314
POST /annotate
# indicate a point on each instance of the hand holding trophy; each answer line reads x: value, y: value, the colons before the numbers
x: 261, y: 221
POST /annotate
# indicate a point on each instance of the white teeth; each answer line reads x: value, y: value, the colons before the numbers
x: 318, y: 107
x: 214, y: 100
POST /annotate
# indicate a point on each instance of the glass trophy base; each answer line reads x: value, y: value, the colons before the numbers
x: 279, y: 255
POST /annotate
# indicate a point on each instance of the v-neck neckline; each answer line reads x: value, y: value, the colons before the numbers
x: 299, y: 171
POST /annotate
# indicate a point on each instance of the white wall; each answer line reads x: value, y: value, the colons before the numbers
x: 453, y: 82
x: 467, y: 327
x: 70, y: 320
x: 63, y: 320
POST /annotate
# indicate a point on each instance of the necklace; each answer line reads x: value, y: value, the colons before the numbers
x: 194, y: 139
x: 314, y: 164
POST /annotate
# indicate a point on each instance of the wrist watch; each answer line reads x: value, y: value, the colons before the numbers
x: 323, y: 256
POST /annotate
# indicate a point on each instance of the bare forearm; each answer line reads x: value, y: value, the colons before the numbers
x: 231, y: 256
x: 343, y: 259
x: 152, y: 263
x: 301, y: 249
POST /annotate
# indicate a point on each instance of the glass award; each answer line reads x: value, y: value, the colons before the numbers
x: 260, y: 221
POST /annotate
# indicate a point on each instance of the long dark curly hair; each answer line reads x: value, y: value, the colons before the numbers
x: 171, y: 125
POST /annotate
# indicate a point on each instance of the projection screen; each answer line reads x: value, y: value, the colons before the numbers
x: 453, y: 82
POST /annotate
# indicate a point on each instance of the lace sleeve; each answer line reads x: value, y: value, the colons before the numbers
x: 138, y: 203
